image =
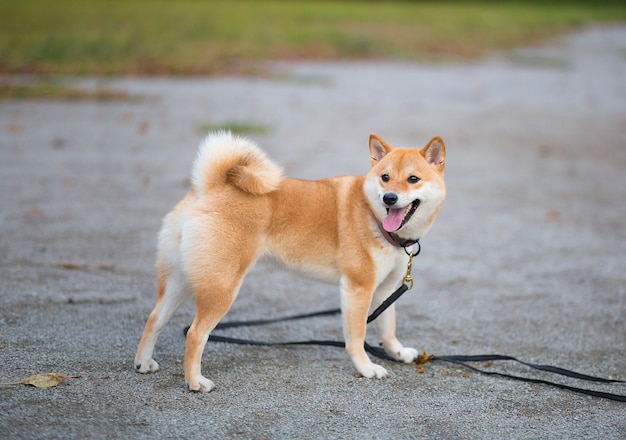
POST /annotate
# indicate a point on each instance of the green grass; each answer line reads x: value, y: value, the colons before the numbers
x: 108, y: 37
x: 237, y: 127
x: 46, y: 90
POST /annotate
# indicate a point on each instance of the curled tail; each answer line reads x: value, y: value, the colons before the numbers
x: 227, y: 159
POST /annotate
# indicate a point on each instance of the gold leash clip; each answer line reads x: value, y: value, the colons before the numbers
x: 408, y: 279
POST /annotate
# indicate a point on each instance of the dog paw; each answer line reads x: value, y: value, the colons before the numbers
x: 373, y: 371
x: 146, y: 367
x: 201, y: 385
x: 406, y: 355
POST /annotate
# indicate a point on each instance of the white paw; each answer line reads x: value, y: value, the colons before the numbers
x: 201, y: 385
x: 146, y: 367
x: 373, y: 371
x: 406, y: 355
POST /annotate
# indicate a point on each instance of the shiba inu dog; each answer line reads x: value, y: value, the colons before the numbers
x: 351, y: 230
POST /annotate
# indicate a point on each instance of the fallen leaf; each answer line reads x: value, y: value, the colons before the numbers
x: 554, y: 214
x: 423, y: 358
x: 72, y: 265
x: 45, y: 380
x: 13, y: 128
x: 42, y: 380
x: 33, y: 212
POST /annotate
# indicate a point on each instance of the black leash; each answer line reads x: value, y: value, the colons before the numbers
x: 374, y: 351
x: 232, y: 324
x: 462, y: 360
x: 380, y: 353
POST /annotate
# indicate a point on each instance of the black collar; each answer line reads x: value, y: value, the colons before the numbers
x: 395, y: 240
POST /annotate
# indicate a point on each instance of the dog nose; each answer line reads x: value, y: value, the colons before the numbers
x: 390, y: 199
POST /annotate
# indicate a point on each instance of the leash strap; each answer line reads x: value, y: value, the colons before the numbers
x: 232, y: 324
x: 389, y: 301
x: 374, y: 351
x: 462, y: 360
x: 379, y: 352
x: 380, y: 309
x: 459, y: 360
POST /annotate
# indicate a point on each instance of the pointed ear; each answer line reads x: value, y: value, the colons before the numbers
x: 435, y: 153
x: 378, y: 149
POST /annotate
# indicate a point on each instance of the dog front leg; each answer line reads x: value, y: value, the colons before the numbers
x: 386, y: 328
x: 355, y: 302
x: 386, y: 324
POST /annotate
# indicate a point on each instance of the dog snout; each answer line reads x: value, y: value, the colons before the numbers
x: 390, y: 199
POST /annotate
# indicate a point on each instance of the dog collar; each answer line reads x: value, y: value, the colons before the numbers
x: 396, y: 240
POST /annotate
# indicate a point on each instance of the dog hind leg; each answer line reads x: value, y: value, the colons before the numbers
x: 173, y: 292
x: 213, y: 300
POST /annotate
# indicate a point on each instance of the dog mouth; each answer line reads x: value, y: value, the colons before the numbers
x: 397, y: 217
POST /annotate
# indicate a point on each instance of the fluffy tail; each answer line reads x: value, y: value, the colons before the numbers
x: 227, y: 159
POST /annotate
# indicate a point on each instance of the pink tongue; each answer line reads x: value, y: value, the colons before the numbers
x: 393, y: 220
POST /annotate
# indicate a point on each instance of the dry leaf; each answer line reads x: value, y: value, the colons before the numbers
x: 554, y: 214
x: 33, y: 212
x: 45, y: 380
x: 423, y: 358
x: 42, y: 380
x: 72, y: 265
x: 13, y: 128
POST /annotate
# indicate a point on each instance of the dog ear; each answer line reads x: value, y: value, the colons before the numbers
x: 435, y: 153
x: 378, y: 149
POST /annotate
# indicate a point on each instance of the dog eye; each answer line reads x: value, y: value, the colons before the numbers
x: 413, y: 179
x: 385, y: 177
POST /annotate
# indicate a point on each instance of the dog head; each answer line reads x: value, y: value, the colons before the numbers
x: 405, y: 186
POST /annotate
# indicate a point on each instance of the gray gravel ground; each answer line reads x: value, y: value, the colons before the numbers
x: 527, y: 257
